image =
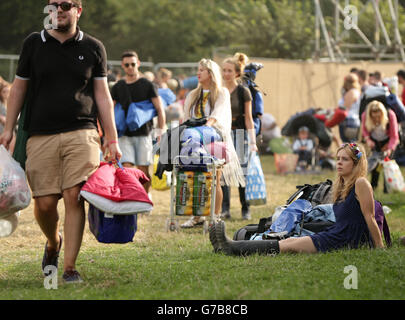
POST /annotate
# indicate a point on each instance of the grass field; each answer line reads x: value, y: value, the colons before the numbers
x: 171, y: 265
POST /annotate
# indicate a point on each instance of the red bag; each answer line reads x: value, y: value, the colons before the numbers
x: 338, y: 116
x: 118, y: 184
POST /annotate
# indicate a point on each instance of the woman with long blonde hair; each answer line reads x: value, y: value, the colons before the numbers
x: 211, y: 100
x: 380, y: 131
x: 354, y: 210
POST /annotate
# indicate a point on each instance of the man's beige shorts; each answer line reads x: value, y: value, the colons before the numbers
x: 61, y: 161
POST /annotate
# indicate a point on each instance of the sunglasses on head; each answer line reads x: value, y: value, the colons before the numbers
x: 133, y: 64
x: 65, y: 6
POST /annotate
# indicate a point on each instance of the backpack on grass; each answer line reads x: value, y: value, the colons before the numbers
x: 316, y: 194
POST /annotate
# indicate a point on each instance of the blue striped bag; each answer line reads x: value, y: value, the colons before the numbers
x: 255, y: 191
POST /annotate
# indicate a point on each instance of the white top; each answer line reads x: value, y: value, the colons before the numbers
x: 379, y: 133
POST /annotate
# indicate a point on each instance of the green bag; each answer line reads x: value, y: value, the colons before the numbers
x: 280, y: 145
x: 20, y: 151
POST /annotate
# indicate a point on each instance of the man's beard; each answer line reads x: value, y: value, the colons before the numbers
x: 64, y: 28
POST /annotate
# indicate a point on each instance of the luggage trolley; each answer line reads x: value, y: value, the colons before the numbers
x: 193, y: 189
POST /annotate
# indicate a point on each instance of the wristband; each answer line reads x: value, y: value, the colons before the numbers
x: 112, y: 142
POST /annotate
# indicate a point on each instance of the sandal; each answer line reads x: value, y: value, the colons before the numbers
x: 193, y: 222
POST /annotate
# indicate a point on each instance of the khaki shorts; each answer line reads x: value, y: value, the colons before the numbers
x: 61, y: 161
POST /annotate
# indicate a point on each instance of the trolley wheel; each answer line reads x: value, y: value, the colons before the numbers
x: 172, y: 225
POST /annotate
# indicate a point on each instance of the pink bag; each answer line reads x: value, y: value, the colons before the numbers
x: 218, y: 150
x: 118, y: 184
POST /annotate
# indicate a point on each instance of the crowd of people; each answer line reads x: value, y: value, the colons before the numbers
x: 67, y: 140
x: 373, y: 124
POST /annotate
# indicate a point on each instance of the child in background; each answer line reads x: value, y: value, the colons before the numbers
x: 303, y: 147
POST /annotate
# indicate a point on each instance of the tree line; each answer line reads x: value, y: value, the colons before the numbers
x: 186, y: 30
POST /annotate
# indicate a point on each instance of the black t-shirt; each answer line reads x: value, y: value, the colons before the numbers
x: 239, y: 97
x: 140, y: 90
x: 61, y: 81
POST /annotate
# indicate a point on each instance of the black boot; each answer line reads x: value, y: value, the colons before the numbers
x: 243, y: 247
x: 213, y: 238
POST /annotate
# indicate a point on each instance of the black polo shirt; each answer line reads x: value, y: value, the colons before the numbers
x: 61, y: 97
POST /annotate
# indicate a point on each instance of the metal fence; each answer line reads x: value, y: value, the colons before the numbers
x: 8, y: 66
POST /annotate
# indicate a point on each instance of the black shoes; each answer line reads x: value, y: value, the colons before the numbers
x: 51, y: 258
x: 222, y: 243
x: 225, y: 215
x: 246, y: 214
x: 72, y: 276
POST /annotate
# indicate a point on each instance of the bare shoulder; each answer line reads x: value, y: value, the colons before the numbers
x: 363, y: 186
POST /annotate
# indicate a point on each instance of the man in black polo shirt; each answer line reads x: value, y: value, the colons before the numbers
x: 65, y: 70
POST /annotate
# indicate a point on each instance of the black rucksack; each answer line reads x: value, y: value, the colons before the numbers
x: 316, y: 194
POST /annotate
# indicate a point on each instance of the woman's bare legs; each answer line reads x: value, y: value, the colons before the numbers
x: 298, y: 245
x: 219, y: 195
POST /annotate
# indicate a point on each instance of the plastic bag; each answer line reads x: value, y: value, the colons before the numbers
x: 8, y: 224
x: 15, y: 193
x: 255, y: 191
x: 393, y: 176
x: 285, y: 163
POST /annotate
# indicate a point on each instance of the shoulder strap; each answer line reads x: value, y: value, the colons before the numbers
x: 320, y: 193
x: 386, y: 231
x: 298, y: 194
x: 262, y: 225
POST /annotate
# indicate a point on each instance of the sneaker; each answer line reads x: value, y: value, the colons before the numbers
x: 72, y: 276
x: 51, y: 259
x: 193, y: 222
x: 226, y: 215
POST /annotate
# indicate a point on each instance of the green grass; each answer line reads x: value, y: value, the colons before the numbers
x: 166, y: 265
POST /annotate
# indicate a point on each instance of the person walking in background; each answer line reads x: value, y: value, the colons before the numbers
x: 137, y: 145
x: 212, y: 101
x: 350, y: 103
x: 401, y: 80
x: 346, y: 115
x: 242, y: 125
x: 362, y: 75
x: 380, y: 131
x: 66, y: 71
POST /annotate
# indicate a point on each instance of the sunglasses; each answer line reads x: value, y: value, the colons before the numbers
x: 65, y: 6
x: 130, y: 64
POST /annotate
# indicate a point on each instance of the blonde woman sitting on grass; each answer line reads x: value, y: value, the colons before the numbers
x: 353, y: 207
